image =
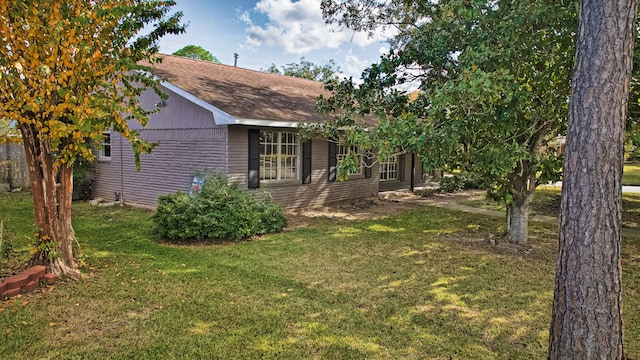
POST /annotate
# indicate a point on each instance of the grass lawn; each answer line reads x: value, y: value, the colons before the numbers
x: 546, y: 201
x: 424, y: 284
x: 631, y: 174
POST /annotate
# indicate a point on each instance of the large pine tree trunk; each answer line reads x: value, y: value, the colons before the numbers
x: 587, y: 306
x: 52, y: 204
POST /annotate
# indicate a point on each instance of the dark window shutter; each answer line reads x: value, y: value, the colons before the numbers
x: 401, y: 167
x: 367, y: 165
x: 306, y: 162
x: 254, y: 159
x: 333, y: 162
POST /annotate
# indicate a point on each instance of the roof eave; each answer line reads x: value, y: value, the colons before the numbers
x: 268, y: 123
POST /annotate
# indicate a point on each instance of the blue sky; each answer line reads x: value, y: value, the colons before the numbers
x: 263, y: 32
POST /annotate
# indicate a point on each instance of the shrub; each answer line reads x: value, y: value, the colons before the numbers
x: 459, y: 182
x: 220, y: 211
x: 451, y: 184
x: 427, y: 192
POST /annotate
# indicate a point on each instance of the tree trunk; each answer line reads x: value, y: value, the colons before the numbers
x: 52, y: 205
x: 518, y: 220
x: 523, y: 185
x: 65, y: 263
x: 587, y: 307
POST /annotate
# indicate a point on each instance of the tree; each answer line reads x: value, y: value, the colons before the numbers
x: 272, y: 69
x: 632, y: 128
x: 587, y: 306
x: 196, y: 52
x: 68, y: 72
x: 7, y: 130
x: 307, y: 70
x: 494, y: 82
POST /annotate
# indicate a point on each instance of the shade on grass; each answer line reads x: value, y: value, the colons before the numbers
x: 631, y: 174
x: 425, y: 284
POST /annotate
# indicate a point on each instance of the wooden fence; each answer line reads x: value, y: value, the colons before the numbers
x: 14, y: 173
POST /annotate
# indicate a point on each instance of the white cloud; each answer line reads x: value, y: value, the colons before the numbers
x: 353, y: 65
x: 245, y: 18
x: 298, y: 27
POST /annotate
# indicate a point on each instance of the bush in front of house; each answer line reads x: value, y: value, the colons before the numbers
x: 460, y: 181
x: 219, y: 211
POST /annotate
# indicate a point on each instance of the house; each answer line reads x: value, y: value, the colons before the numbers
x: 244, y: 124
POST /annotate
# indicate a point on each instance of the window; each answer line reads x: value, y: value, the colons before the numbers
x: 279, y: 155
x: 342, y: 151
x: 105, y: 146
x: 389, y: 169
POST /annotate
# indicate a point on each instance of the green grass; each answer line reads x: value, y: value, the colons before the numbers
x: 546, y: 201
x: 631, y: 174
x: 424, y: 284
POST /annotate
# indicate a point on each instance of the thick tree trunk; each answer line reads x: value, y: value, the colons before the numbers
x: 65, y: 263
x: 523, y: 186
x: 518, y: 220
x: 587, y: 306
x: 52, y: 205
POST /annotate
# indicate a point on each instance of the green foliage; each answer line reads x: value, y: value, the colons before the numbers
x: 272, y: 69
x: 460, y: 181
x: 82, y: 168
x: 196, y: 52
x: 489, y: 86
x: 220, y: 211
x: 45, y: 248
x: 102, y: 49
x: 550, y: 168
x: 493, y: 82
x: 307, y: 70
x: 8, y: 131
x: 451, y: 184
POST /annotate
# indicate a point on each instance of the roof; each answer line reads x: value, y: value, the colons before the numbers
x: 248, y: 96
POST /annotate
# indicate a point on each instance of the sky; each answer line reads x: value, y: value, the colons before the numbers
x: 265, y: 32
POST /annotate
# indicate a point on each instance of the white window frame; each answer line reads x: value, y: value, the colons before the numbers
x: 390, y: 169
x: 104, y: 145
x: 280, y: 155
x: 342, y: 151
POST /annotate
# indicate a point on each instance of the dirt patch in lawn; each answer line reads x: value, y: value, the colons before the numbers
x: 386, y: 204
x: 352, y: 210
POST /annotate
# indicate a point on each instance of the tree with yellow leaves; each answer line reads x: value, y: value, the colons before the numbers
x: 70, y: 70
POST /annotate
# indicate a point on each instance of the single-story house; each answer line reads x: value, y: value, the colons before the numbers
x: 242, y: 123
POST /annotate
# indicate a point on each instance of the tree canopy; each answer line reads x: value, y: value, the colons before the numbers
x: 196, y: 52
x: 305, y: 69
x: 70, y: 71
x: 493, y: 83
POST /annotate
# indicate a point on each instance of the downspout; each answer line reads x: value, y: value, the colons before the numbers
x: 413, y: 172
